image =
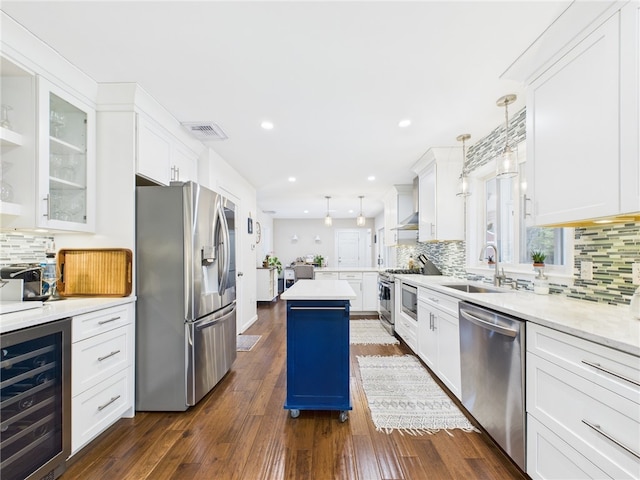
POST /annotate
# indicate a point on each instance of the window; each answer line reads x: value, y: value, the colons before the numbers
x: 501, y: 220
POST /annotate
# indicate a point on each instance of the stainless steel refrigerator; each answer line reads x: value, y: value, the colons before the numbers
x: 186, y: 294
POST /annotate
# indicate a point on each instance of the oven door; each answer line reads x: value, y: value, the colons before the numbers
x: 385, y: 302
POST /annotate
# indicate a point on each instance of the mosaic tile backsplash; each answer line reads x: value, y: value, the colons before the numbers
x: 20, y: 248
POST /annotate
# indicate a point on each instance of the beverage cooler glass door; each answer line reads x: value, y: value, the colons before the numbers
x: 35, y: 406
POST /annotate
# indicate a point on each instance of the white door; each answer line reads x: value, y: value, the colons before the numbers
x: 353, y: 247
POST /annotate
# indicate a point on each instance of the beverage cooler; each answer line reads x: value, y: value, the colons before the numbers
x: 35, y: 396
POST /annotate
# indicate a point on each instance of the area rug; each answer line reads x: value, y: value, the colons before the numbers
x: 245, y: 343
x: 403, y: 396
x: 370, y: 332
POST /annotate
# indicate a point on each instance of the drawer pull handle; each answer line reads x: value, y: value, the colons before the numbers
x: 434, y: 300
x: 598, y: 367
x: 113, y: 399
x: 102, y: 322
x: 115, y: 352
x: 609, y: 437
x: 317, y: 308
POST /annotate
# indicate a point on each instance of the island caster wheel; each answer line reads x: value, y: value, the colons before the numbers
x: 343, y: 417
x: 295, y: 413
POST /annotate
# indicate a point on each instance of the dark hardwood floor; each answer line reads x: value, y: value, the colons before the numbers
x: 241, y: 431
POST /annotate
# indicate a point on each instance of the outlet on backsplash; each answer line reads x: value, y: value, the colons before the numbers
x: 635, y: 273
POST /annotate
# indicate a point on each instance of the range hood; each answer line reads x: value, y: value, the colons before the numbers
x: 411, y: 222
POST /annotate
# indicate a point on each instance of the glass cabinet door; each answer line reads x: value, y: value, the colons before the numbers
x: 66, y: 161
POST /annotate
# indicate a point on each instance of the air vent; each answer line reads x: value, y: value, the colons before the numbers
x: 205, y: 130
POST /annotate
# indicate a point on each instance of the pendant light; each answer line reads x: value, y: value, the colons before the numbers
x: 328, y: 221
x: 360, y: 221
x: 463, y: 182
x: 507, y: 162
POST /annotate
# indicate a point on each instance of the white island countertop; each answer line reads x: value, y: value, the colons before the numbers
x: 319, y: 290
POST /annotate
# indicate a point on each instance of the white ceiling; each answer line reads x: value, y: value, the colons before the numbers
x: 334, y: 77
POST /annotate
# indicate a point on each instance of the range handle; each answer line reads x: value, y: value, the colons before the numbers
x: 509, y: 332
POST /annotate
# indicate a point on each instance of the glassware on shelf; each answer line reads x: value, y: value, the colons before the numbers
x: 56, y: 120
x: 6, y: 192
x: 4, y: 116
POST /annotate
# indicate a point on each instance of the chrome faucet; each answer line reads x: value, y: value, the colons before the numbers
x: 497, y: 276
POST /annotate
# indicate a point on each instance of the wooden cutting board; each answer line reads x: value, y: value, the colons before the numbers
x: 104, y: 272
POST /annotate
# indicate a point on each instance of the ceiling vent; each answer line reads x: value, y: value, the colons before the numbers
x: 205, y: 130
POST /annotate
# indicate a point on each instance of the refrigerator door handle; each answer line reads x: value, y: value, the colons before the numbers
x: 226, y: 253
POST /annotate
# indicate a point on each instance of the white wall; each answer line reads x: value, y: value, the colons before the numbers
x: 215, y: 173
x: 288, y: 250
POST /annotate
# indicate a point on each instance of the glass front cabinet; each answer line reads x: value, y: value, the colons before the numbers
x: 65, y: 162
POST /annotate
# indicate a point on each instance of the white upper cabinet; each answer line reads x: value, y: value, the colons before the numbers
x: 582, y: 115
x: 441, y: 211
x: 154, y: 152
x: 66, y: 161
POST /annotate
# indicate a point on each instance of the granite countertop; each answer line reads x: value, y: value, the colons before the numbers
x: 54, y: 310
x: 608, y: 325
x: 319, y: 290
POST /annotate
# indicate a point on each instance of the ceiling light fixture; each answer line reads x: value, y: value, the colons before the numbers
x: 507, y: 162
x: 463, y: 182
x: 292, y: 179
x: 360, y: 221
x: 371, y: 178
x: 328, y: 221
x: 267, y: 125
x: 404, y: 123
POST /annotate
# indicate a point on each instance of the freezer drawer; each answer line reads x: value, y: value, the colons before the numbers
x: 211, y: 350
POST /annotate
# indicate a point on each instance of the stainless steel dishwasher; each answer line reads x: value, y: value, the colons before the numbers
x: 492, y: 352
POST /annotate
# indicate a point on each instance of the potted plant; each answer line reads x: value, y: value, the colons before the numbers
x: 274, y: 262
x: 538, y: 258
x: 318, y: 260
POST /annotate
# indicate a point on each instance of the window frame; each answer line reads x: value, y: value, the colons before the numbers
x: 476, y: 222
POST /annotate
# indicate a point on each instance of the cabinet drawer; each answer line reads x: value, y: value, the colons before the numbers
x: 326, y: 275
x: 99, y: 407
x: 614, y: 370
x: 407, y: 328
x: 350, y: 276
x: 94, y: 323
x: 595, y: 421
x: 99, y: 357
x: 548, y: 456
x: 439, y: 300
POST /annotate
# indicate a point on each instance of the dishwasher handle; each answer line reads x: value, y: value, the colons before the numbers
x: 509, y: 332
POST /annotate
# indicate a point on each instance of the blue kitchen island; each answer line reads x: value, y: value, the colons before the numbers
x: 318, y: 346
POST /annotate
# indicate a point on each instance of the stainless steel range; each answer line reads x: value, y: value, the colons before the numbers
x: 386, y: 296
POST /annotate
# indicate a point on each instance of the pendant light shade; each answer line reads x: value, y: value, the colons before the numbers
x: 360, y: 221
x: 463, y: 182
x: 507, y: 162
x: 328, y: 221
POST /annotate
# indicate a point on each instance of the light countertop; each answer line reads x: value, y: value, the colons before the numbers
x: 608, y: 325
x: 348, y: 269
x: 319, y: 290
x: 54, y: 310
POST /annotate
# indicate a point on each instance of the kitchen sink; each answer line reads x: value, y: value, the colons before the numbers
x: 463, y: 287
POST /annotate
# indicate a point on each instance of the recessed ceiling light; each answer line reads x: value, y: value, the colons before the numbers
x: 371, y: 178
x: 267, y: 125
x: 404, y: 123
x: 292, y: 179
x: 351, y: 210
x: 306, y: 211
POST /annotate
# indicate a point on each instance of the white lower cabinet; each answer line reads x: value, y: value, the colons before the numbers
x: 583, y: 408
x: 407, y: 328
x: 267, y: 279
x: 355, y: 281
x: 439, y: 336
x: 102, y: 359
x: 370, y: 291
